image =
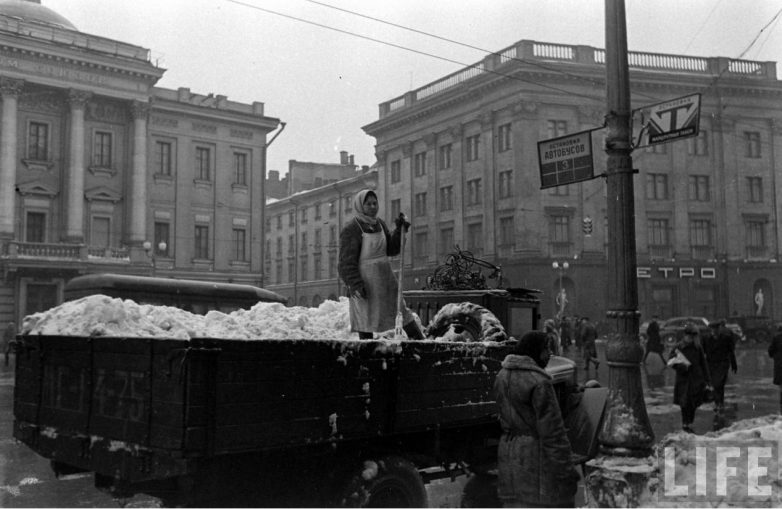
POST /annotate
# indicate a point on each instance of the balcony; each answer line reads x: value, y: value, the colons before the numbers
x: 757, y: 252
x: 660, y: 251
x: 62, y: 252
x: 560, y: 248
x: 702, y: 252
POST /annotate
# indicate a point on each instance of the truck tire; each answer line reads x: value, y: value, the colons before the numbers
x: 388, y: 482
x: 471, y: 321
x: 480, y: 491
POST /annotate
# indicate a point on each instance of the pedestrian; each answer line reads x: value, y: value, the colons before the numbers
x: 9, y: 335
x: 721, y: 356
x: 692, y: 375
x: 552, y: 337
x: 534, y: 454
x: 654, y: 343
x: 588, y: 338
x: 565, y: 332
x: 365, y: 245
x: 775, y: 352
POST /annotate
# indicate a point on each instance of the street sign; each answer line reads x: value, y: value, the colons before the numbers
x: 566, y: 160
x: 672, y: 120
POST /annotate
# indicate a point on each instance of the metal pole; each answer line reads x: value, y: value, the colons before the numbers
x: 626, y: 429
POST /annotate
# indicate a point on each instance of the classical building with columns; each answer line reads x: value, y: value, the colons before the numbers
x: 101, y: 171
x: 460, y: 156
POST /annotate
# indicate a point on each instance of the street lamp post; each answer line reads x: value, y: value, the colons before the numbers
x: 560, y: 299
x: 161, y: 247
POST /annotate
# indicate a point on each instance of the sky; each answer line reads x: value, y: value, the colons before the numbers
x: 327, y: 83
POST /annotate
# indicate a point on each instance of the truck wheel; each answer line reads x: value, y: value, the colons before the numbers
x: 469, y: 320
x: 481, y: 491
x: 388, y: 482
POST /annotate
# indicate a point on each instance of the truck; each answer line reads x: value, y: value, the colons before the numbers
x: 221, y: 422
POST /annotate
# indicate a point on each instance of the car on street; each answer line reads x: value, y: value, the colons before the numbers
x: 672, y: 330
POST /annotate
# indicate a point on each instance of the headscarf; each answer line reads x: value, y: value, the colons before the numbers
x: 532, y: 345
x: 358, y: 206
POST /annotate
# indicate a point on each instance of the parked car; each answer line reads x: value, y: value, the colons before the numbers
x: 757, y: 328
x: 672, y: 329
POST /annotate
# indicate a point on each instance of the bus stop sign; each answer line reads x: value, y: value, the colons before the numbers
x: 566, y: 160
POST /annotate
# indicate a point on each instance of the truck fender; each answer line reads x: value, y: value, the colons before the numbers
x: 468, y: 320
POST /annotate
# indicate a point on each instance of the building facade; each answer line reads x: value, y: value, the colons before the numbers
x: 101, y: 171
x: 459, y: 155
x: 302, y: 239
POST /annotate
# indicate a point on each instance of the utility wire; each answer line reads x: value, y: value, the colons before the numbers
x: 697, y: 32
x: 759, y: 33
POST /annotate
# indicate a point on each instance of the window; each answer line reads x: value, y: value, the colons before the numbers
x: 291, y: 244
x: 303, y: 271
x: 279, y: 221
x: 332, y: 208
x: 239, y: 236
x: 396, y: 171
x: 560, y: 229
x: 556, y: 128
x: 752, y: 144
x: 100, y: 232
x: 348, y: 204
x: 278, y: 273
x: 756, y: 234
x: 445, y: 156
x: 698, y: 188
x: 38, y: 141
x: 291, y: 270
x: 475, y: 238
x: 446, y: 239
x: 503, y: 138
x: 162, y: 235
x: 446, y: 198
x: 317, y: 266
x: 303, y: 246
x: 317, y: 239
x: 474, y: 192
x: 507, y: 232
x: 473, y: 143
x: 698, y: 146
x: 420, y: 204
x: 317, y: 211
x: 755, y: 189
x: 202, y: 242
x: 240, y: 168
x: 421, y: 244
x: 268, y: 251
x: 700, y: 232
x: 278, y: 252
x: 396, y: 208
x: 419, y: 164
x: 303, y: 215
x: 202, y: 163
x: 35, y: 230
x: 658, y: 232
x: 163, y: 158
x: 332, y: 265
x: 291, y: 218
x: 101, y: 152
x: 656, y: 186
x: 506, y: 184
x: 332, y: 236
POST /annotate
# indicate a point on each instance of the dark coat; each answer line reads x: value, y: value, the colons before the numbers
x: 720, y: 354
x: 534, y: 454
x: 653, y: 341
x: 775, y: 352
x: 691, y: 381
x: 350, y: 250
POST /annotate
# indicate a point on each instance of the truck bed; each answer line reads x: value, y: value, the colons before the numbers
x: 141, y: 409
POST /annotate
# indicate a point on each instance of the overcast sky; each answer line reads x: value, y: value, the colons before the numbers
x: 326, y: 84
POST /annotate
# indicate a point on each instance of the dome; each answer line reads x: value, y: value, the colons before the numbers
x: 32, y: 10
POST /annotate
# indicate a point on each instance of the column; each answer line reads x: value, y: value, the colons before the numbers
x: 9, y: 90
x: 74, y: 231
x: 138, y: 211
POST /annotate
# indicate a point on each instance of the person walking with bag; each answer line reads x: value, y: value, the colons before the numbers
x: 693, y: 381
x: 364, y: 247
x: 654, y: 343
x: 721, y: 356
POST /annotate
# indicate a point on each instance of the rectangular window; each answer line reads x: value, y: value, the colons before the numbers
x: 291, y: 218
x: 317, y: 239
x: 446, y: 198
x: 317, y: 211
x: 755, y: 189
x: 396, y: 171
x: 560, y: 232
x: 752, y: 144
x: 332, y: 265
x: 348, y: 204
x: 239, y: 237
x: 162, y: 238
x: 473, y: 144
x: 163, y: 158
x: 503, y: 138
x: 475, y: 238
x: 35, y: 228
x: 291, y: 244
x: 506, y: 184
x: 38, y: 141
x: 698, y: 188
x: 420, y: 204
x: 101, y: 152
x: 101, y: 231
x: 317, y: 266
x: 474, y: 193
x: 201, y: 242
x: 445, y: 156
x: 698, y: 146
x: 700, y: 232
x: 303, y: 271
x: 421, y: 244
x: 419, y: 164
x: 656, y: 186
x: 446, y: 240
x: 240, y: 168
x: 279, y: 221
x: 396, y: 208
x: 756, y: 235
x: 203, y: 163
x: 658, y: 232
x: 507, y: 232
x: 278, y: 273
x: 556, y: 128
x: 303, y: 246
x: 333, y: 236
x: 278, y: 251
x: 303, y: 215
x: 332, y: 208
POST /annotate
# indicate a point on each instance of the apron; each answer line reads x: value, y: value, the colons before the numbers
x: 376, y: 313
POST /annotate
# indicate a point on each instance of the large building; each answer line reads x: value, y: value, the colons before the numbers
x: 460, y: 156
x: 101, y: 171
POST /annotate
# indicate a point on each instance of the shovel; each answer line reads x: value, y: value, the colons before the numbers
x: 398, y: 331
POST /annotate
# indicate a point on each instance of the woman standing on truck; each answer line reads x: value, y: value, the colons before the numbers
x: 533, y: 456
x: 365, y: 245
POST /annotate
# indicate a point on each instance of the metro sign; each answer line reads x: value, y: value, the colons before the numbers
x: 672, y: 120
